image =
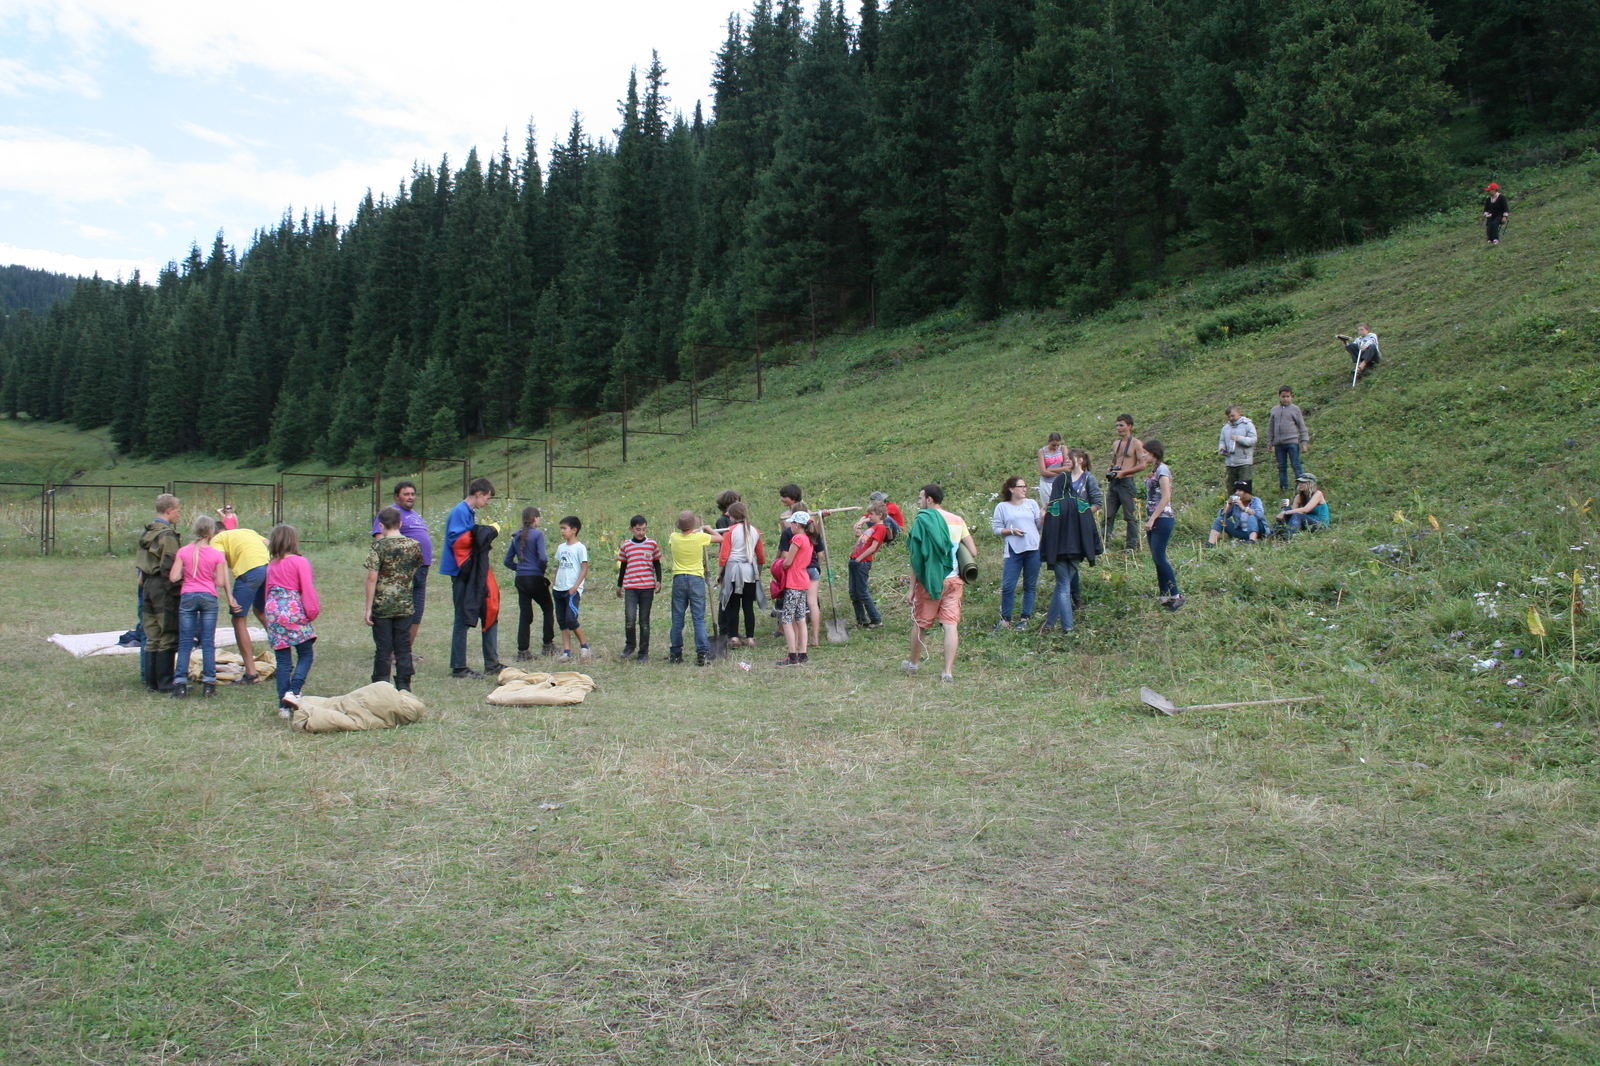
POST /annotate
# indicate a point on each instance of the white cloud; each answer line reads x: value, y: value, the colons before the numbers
x: 390, y: 90
x: 194, y: 129
x: 77, y: 265
x: 19, y: 79
x: 453, y: 78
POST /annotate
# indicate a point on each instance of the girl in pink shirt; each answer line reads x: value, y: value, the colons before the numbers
x: 201, y: 573
x: 291, y: 608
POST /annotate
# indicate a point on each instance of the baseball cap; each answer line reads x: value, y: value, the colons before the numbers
x: 1493, y: 187
x: 802, y: 518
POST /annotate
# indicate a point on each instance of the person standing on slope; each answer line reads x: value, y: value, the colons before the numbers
x: 1496, y: 213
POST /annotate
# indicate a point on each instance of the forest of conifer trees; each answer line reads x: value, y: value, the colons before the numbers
x: 988, y: 154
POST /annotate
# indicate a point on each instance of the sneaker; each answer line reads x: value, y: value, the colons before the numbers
x: 292, y: 699
x: 495, y: 669
x: 585, y: 654
x: 1001, y: 626
x: 180, y: 690
x: 548, y: 651
x: 699, y: 658
x: 524, y: 656
x: 789, y: 660
x: 804, y: 658
x: 947, y: 678
x: 564, y: 657
x: 1175, y: 603
x: 466, y: 674
x: 1021, y: 626
x: 642, y: 657
x: 208, y: 689
x: 675, y: 660
x: 284, y: 712
x: 907, y: 666
x: 627, y: 653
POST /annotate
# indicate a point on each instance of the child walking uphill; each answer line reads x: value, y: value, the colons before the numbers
x: 638, y: 581
x: 687, y: 547
x: 199, y: 568
x: 572, y: 569
x: 391, y: 564
x: 526, y: 555
x: 291, y: 608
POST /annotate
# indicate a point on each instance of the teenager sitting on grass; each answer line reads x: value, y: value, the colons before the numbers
x: 1308, y: 509
x: 1242, y: 517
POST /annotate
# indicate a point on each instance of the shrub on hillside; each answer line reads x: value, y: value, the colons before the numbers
x: 1247, y: 318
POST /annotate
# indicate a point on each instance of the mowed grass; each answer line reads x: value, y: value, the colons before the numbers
x: 831, y: 865
x: 845, y: 865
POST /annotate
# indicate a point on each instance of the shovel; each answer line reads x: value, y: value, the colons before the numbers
x: 1151, y: 698
x: 837, y: 634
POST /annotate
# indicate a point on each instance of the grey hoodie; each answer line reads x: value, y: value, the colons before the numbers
x: 1237, y: 442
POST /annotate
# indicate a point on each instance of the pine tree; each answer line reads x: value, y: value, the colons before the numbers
x: 1338, y: 122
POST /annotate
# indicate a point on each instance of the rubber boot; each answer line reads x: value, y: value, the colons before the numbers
x: 165, y: 665
x: 147, y: 671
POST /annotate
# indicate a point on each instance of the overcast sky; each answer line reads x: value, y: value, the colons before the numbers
x: 131, y: 128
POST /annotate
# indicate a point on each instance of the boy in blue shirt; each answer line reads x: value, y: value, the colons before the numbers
x: 463, y: 519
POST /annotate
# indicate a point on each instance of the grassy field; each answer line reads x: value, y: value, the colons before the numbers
x: 845, y: 865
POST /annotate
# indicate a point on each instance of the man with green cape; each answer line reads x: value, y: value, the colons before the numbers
x: 936, y: 584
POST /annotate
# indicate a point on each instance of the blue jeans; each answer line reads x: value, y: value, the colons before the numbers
x: 1024, y: 565
x: 1060, y: 612
x: 1298, y: 521
x: 197, y: 620
x: 458, y: 633
x: 1287, y: 454
x: 688, y: 593
x: 1159, y: 535
x: 861, y: 593
x: 250, y: 592
x: 1238, y: 528
x: 294, y: 682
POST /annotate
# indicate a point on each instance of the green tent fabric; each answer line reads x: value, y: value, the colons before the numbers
x: 932, y: 551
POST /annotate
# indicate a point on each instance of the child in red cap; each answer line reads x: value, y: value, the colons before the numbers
x: 1496, y: 212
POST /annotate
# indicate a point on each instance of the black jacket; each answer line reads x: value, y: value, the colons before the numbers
x: 1068, y: 533
x: 476, y: 573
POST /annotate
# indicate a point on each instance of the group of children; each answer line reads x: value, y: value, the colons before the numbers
x: 642, y: 572
x: 181, y: 590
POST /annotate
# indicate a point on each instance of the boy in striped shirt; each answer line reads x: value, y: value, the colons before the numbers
x: 638, y: 581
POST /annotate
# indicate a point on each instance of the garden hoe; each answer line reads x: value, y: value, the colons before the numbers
x: 1151, y: 698
x: 837, y: 634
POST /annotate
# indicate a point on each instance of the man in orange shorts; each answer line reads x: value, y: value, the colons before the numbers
x: 932, y: 542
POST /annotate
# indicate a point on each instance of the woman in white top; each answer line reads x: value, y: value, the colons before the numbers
x: 1017, y: 518
x: 1052, y: 461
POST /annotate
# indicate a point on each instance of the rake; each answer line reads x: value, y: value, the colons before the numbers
x: 1151, y: 698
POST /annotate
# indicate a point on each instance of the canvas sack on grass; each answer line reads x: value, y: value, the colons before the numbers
x: 376, y: 706
x: 532, y: 688
x: 230, y: 665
